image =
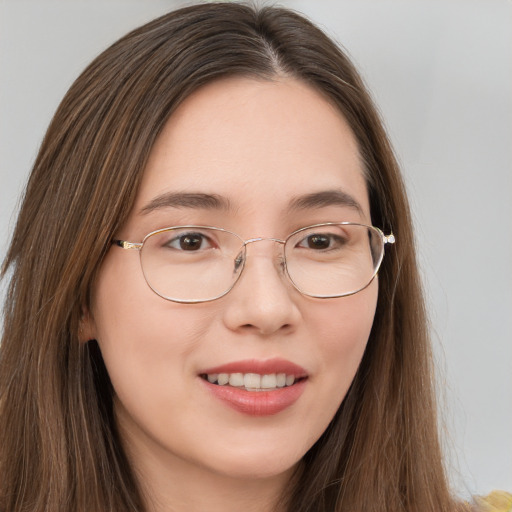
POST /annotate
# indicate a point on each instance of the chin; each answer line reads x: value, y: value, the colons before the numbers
x: 257, y: 462
x: 259, y: 469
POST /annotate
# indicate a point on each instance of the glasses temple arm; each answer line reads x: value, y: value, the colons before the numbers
x: 127, y: 245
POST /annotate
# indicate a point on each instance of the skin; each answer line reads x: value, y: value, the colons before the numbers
x: 259, y: 144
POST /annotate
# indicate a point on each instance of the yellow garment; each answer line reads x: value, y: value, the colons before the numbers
x: 497, y: 501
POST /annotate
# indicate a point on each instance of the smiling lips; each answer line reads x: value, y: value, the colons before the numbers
x: 256, y: 388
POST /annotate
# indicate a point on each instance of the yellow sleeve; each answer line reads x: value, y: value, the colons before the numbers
x: 497, y: 501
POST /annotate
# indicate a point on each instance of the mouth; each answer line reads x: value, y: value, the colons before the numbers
x: 256, y: 388
x: 253, y: 382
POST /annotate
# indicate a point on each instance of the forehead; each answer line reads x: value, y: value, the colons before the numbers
x: 255, y: 142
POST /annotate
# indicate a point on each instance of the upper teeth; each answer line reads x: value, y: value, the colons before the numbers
x: 252, y: 381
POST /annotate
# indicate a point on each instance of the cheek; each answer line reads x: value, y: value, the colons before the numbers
x: 134, y: 327
x: 342, y: 328
x: 348, y: 320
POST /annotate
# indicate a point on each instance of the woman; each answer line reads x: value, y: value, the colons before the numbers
x: 193, y: 319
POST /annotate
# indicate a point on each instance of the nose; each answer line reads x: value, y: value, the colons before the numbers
x: 263, y: 301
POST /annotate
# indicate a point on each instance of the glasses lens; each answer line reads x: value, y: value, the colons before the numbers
x: 192, y: 264
x: 333, y: 260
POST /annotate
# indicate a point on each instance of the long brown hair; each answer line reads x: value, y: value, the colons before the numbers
x: 59, y: 447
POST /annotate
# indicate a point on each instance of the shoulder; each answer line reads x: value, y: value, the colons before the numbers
x: 497, y: 501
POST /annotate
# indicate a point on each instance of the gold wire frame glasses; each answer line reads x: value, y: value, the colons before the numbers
x: 193, y: 264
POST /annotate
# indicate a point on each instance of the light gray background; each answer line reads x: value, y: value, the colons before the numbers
x: 441, y: 73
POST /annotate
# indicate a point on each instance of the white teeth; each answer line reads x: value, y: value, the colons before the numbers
x: 268, y: 381
x: 236, y: 379
x: 252, y: 381
x: 223, y: 379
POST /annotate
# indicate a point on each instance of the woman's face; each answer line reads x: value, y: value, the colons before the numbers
x: 257, y: 147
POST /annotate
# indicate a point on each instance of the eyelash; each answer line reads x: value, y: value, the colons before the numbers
x: 335, y: 241
x: 182, y: 236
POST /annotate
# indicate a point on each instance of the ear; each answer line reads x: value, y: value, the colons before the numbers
x: 86, y: 327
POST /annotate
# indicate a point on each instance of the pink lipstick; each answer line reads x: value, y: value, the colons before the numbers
x: 256, y: 387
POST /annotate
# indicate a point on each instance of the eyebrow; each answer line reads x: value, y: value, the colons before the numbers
x: 204, y: 201
x: 187, y: 200
x: 324, y: 199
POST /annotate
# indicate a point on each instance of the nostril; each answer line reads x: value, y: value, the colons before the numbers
x: 266, y: 330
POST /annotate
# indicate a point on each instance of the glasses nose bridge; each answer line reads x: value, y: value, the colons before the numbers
x: 278, y: 260
x: 263, y: 239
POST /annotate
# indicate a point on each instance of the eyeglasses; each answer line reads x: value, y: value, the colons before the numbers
x: 191, y: 264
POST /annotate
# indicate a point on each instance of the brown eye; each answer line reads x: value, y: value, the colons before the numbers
x: 322, y: 242
x: 318, y: 242
x: 190, y: 242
